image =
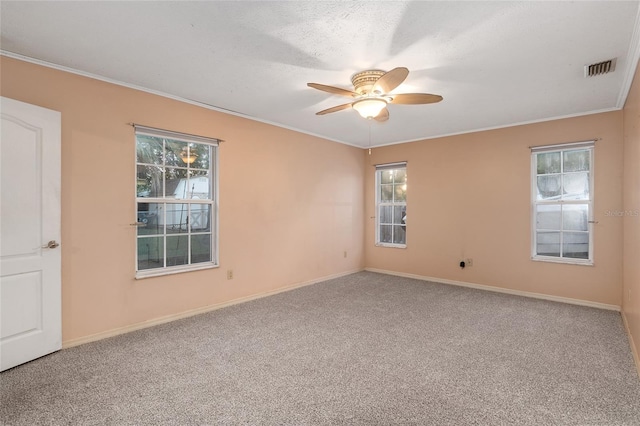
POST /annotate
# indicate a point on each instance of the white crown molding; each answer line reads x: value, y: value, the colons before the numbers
x: 162, y: 94
x: 633, y: 56
x: 506, y: 126
x: 621, y: 99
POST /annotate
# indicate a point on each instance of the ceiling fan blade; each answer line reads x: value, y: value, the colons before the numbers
x: 383, y: 116
x: 332, y: 89
x: 415, y: 98
x: 391, y: 79
x: 333, y: 109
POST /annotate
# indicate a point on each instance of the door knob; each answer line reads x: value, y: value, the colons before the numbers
x: 51, y: 244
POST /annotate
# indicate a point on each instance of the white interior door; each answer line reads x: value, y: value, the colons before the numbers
x: 30, y: 291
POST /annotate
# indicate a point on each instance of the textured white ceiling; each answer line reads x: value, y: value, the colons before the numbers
x: 495, y: 63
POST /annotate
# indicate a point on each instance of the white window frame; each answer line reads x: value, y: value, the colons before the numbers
x: 379, y: 169
x: 212, y: 202
x: 562, y: 148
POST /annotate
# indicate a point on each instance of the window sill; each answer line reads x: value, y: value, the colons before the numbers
x: 566, y: 261
x: 150, y: 273
x: 401, y: 246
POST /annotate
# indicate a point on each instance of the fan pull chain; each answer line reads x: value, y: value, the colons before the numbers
x: 369, y: 136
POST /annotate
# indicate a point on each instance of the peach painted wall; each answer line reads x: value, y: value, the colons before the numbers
x: 468, y: 196
x: 290, y: 204
x: 631, y: 218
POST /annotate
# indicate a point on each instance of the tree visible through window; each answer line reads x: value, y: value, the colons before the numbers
x: 176, y: 201
x: 391, y: 204
x: 563, y: 203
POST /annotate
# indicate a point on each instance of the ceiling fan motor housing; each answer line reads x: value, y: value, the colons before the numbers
x: 364, y: 81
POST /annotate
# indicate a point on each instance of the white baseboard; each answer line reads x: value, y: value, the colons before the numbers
x: 501, y: 290
x: 634, y: 348
x: 192, y: 312
x: 168, y: 318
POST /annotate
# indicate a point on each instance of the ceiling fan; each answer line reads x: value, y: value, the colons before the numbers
x: 371, y: 93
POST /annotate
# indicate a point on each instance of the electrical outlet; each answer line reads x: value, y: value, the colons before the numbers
x: 469, y: 262
x: 229, y: 274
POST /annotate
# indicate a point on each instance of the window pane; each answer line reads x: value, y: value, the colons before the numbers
x: 200, y: 248
x: 149, y: 181
x: 386, y: 214
x: 548, y: 244
x: 150, y: 253
x: 177, y: 218
x: 575, y: 245
x: 400, y: 176
x: 386, y: 176
x: 576, y: 186
x: 200, y: 218
x: 398, y: 213
x: 202, y: 154
x: 177, y: 250
x: 548, y: 187
x: 548, y: 217
x: 400, y: 192
x: 386, y: 193
x: 176, y: 183
x: 148, y: 214
x: 548, y: 162
x: 175, y: 151
x: 148, y: 149
x: 198, y: 186
x: 399, y: 235
x: 385, y: 233
x: 576, y: 161
x: 575, y: 217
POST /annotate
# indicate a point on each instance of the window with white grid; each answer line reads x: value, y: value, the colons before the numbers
x: 391, y: 205
x: 176, y: 202
x: 562, y: 203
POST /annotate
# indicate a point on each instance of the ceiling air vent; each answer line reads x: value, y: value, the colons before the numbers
x: 600, y: 68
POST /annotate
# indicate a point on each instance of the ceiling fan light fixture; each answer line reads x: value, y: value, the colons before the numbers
x: 369, y: 108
